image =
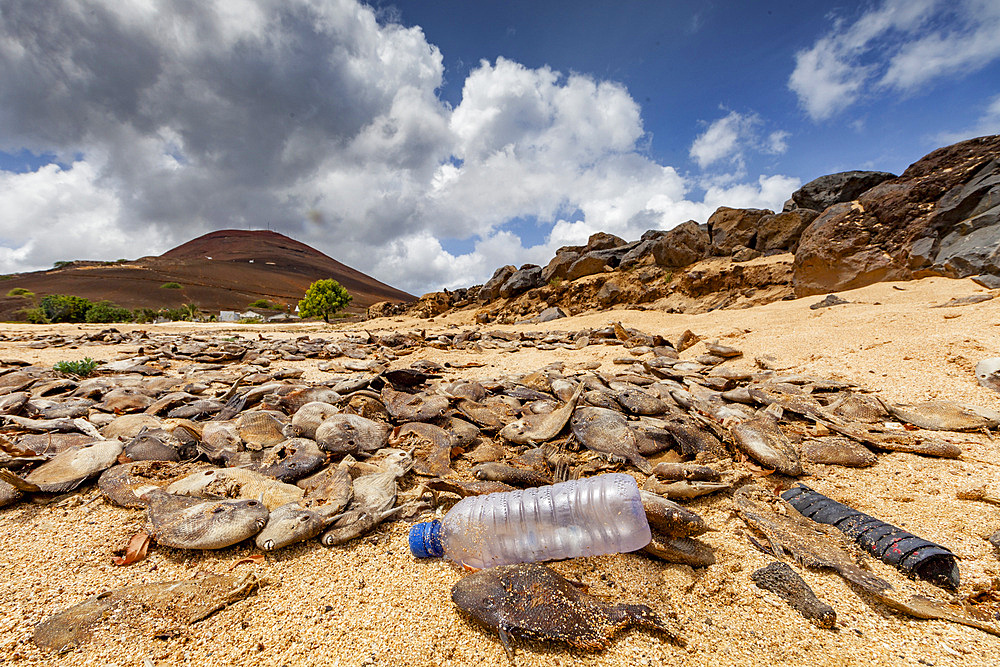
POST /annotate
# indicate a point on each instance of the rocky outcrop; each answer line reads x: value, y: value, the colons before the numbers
x: 734, y: 228
x: 826, y: 191
x: 938, y: 218
x: 846, y: 230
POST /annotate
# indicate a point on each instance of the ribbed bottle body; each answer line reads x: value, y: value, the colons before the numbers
x: 587, y: 517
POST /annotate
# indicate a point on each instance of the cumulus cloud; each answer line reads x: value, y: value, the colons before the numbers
x: 728, y: 140
x: 897, y: 46
x: 317, y: 119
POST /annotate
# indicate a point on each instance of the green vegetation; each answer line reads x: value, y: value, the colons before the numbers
x: 105, y: 311
x: 65, y: 308
x: 668, y: 276
x: 555, y: 281
x: 81, y: 368
x: 21, y: 291
x: 61, y: 264
x: 265, y: 304
x: 34, y: 315
x: 171, y: 285
x: 250, y: 320
x: 323, y: 299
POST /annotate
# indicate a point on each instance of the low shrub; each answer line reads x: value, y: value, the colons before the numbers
x: 263, y: 303
x: 21, y: 291
x: 105, y: 311
x: 65, y: 308
x: 34, y: 315
x: 171, y: 285
x: 81, y: 368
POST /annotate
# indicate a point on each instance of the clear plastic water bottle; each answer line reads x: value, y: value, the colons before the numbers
x: 586, y: 517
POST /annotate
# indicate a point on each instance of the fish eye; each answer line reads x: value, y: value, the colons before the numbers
x: 252, y: 503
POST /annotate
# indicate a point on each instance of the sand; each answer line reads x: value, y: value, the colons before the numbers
x: 371, y: 603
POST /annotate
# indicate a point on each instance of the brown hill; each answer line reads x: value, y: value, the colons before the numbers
x: 222, y: 270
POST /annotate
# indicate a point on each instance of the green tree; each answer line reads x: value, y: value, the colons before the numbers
x: 65, y: 308
x: 323, y: 299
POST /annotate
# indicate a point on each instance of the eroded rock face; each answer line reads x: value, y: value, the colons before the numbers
x: 780, y: 232
x: 559, y: 265
x: 385, y: 309
x: 732, y: 228
x: 937, y: 218
x: 431, y: 304
x: 826, y: 191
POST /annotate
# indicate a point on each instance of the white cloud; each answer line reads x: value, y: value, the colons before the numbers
x: 897, y: 46
x: 987, y: 123
x: 320, y: 120
x: 777, y: 142
x: 721, y: 139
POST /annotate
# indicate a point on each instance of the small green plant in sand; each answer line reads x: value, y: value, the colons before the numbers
x: 555, y: 282
x: 81, y: 368
x: 21, y: 291
x: 171, y: 285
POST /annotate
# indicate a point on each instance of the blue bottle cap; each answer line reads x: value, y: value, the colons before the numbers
x: 425, y: 539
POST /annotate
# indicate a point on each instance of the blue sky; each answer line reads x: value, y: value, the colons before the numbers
x: 429, y: 142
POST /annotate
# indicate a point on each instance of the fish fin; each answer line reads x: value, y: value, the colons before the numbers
x: 17, y: 482
x: 507, y: 646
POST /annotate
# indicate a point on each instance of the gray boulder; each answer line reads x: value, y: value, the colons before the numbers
x: 780, y: 232
x: 733, y: 228
x: 527, y: 277
x: 491, y: 290
x: 835, y: 188
x: 587, y: 265
x: 558, y: 267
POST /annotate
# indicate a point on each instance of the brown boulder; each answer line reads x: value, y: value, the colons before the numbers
x: 585, y: 266
x: 559, y: 265
x: 731, y: 228
x: 684, y: 244
x: 385, y: 309
x: 430, y: 304
x: 603, y: 241
x: 780, y: 232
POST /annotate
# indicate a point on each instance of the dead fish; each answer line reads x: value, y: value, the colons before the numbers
x: 833, y: 450
x: 607, y: 432
x: 12, y: 403
x: 762, y: 440
x: 368, y: 405
x: 876, y: 436
x: 203, y: 407
x: 486, y: 416
x: 327, y: 494
x: 68, y: 470
x: 344, y: 433
x: 691, y: 438
x: 670, y: 519
x: 413, y: 407
x: 294, y: 401
x: 782, y: 580
x: 858, y: 407
x: 684, y: 489
x: 310, y: 415
x: 66, y: 425
x: 158, y: 445
x: 161, y: 607
x: 988, y: 373
x: 69, y: 408
x: 9, y: 494
x: 125, y: 399
x: 194, y: 523
x: 534, y: 428
x: 464, y: 489
x: 169, y: 400
x: 259, y: 429
x: 219, y: 439
x: 517, y: 477
x: 946, y: 416
x: 533, y: 600
x: 681, y: 471
x: 373, y: 502
x: 292, y: 460
x: 431, y: 446
x: 638, y: 402
x: 128, y: 426
x: 124, y: 484
x: 466, y: 435
x: 683, y: 550
x: 236, y: 483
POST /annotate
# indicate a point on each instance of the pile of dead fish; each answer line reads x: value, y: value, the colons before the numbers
x: 217, y: 445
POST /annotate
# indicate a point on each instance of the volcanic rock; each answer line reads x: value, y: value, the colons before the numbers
x: 826, y: 191
x: 527, y: 277
x: 491, y: 290
x: 780, y: 232
x: 731, y: 228
x: 685, y: 244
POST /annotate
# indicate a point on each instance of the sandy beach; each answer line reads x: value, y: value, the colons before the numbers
x: 371, y: 603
